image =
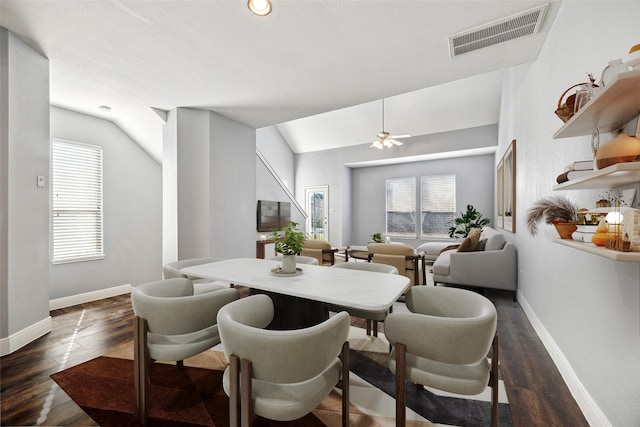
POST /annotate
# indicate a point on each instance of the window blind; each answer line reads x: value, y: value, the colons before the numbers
x: 438, y: 204
x: 77, y: 201
x: 401, y: 206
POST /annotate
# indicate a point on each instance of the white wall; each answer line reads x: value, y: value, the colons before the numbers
x: 279, y: 155
x: 585, y: 307
x: 132, y: 197
x: 24, y: 208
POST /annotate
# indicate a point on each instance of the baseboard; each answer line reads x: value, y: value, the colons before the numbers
x: 590, y: 409
x: 25, y: 336
x: 69, y: 301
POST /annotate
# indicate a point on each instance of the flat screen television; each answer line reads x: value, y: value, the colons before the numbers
x: 273, y: 215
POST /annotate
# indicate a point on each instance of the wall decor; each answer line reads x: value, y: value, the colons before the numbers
x: 506, y: 190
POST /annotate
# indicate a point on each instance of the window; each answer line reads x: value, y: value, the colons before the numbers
x: 438, y: 204
x: 401, y: 207
x: 77, y: 201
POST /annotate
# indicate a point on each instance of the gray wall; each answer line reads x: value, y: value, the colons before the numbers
x: 330, y: 168
x: 474, y: 185
x: 132, y: 196
x: 586, y: 308
x: 24, y: 208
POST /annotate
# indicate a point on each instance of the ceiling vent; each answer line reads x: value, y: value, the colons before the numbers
x: 509, y: 28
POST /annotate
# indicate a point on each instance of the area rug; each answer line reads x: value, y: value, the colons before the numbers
x: 103, y: 388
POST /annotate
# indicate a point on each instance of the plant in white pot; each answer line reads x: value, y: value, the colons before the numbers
x: 289, y: 245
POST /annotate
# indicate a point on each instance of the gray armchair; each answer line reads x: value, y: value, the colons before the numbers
x: 280, y: 375
x: 172, y: 324
x: 443, y: 343
x: 172, y: 270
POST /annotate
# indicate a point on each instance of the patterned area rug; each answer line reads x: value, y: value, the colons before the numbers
x: 103, y: 388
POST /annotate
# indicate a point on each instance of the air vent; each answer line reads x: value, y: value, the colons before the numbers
x: 509, y: 28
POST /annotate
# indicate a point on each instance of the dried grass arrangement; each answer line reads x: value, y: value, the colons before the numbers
x: 551, y: 209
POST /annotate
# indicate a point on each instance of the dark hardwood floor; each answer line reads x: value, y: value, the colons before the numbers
x: 537, y: 394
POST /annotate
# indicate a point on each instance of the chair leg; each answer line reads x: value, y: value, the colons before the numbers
x: 246, y: 412
x: 180, y: 364
x: 368, y: 323
x: 140, y: 369
x: 494, y: 382
x: 344, y: 356
x: 234, y: 391
x: 401, y: 361
x: 375, y: 328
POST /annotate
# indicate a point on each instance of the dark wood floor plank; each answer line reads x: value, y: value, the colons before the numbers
x: 537, y: 394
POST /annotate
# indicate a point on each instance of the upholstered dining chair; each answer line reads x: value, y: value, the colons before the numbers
x: 443, y: 343
x: 300, y: 259
x: 281, y: 375
x: 372, y: 317
x: 320, y: 250
x: 172, y: 270
x: 172, y: 324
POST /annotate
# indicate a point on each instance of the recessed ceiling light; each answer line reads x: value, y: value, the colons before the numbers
x: 104, y: 108
x: 260, y: 7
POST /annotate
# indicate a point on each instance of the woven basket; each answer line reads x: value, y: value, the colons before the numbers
x: 565, y: 109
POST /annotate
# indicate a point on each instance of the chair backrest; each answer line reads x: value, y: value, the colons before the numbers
x: 300, y: 259
x: 172, y: 269
x: 279, y: 356
x: 316, y: 244
x: 399, y: 255
x: 320, y: 250
x: 170, y: 308
x: 447, y: 325
x: 368, y: 266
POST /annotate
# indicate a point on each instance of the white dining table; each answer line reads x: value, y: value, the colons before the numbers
x: 320, y: 284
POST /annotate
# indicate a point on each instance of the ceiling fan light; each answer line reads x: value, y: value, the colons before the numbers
x: 260, y: 7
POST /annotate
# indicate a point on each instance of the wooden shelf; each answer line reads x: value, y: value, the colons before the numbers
x: 619, y: 102
x: 609, y: 177
x: 600, y: 251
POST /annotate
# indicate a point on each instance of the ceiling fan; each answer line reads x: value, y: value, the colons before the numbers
x: 385, y: 139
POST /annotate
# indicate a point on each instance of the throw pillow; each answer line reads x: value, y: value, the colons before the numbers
x: 481, y: 244
x: 471, y: 241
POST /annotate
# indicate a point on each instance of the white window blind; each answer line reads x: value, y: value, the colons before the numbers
x: 438, y: 204
x: 77, y: 201
x: 401, y: 206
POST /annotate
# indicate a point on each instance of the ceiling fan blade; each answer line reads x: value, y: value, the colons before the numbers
x: 400, y: 136
x: 376, y: 144
x: 393, y: 141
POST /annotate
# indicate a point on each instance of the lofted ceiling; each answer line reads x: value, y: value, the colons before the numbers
x: 315, y: 68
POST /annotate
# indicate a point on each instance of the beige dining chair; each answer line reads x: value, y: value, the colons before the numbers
x: 372, y: 317
x: 281, y: 375
x: 443, y: 343
x: 172, y: 270
x: 172, y: 324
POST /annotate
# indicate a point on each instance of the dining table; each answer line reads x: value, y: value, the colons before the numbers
x: 302, y: 299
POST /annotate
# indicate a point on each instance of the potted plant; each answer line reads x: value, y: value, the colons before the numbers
x: 377, y: 237
x: 288, y: 245
x: 468, y: 220
x: 556, y: 210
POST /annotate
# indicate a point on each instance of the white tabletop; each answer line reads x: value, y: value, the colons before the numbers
x: 353, y: 288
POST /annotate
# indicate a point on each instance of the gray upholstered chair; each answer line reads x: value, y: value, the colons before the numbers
x: 172, y: 270
x: 443, y: 343
x: 280, y: 375
x: 320, y: 250
x: 172, y: 324
x: 372, y: 317
x: 299, y: 259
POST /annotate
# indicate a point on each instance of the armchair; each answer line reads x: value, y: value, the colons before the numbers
x: 172, y: 271
x: 319, y: 249
x: 401, y: 256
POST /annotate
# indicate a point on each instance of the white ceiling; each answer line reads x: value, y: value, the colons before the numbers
x: 307, y: 58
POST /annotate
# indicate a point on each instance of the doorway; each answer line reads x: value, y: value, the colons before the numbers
x: 317, y: 206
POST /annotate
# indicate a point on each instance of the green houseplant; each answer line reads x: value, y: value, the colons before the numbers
x: 289, y: 245
x: 461, y: 226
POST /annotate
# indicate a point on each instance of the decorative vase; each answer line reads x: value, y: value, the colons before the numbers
x: 288, y: 264
x: 565, y: 229
x: 602, y: 235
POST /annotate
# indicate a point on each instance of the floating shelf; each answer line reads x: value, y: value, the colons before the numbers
x: 619, y: 102
x: 612, y: 176
x: 600, y: 251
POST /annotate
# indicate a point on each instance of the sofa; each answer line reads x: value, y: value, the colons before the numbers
x: 491, y: 263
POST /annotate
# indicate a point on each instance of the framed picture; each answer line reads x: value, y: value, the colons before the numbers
x: 506, y: 190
